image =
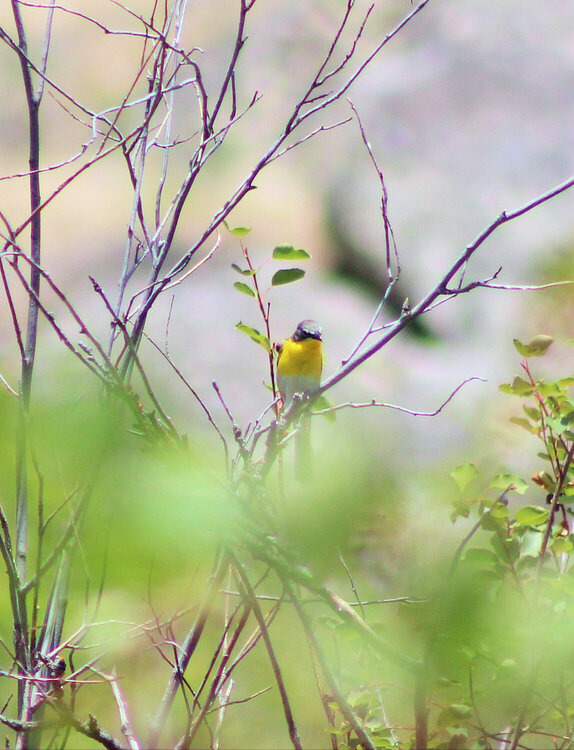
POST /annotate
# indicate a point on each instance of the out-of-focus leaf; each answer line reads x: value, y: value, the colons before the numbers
x: 521, y: 422
x: 464, y: 474
x: 530, y: 543
x: 536, y: 347
x: 544, y: 480
x: 454, y: 715
x: 244, y: 288
x: 286, y: 276
x: 518, y: 387
x: 254, y: 335
x: 237, y: 231
x: 288, y: 252
x: 242, y: 271
x: 563, y: 545
x: 509, y: 482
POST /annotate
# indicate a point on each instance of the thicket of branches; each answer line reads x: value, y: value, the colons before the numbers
x: 422, y: 682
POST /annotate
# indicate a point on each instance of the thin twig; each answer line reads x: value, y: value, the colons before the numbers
x: 442, y: 288
x: 353, y: 720
x: 249, y: 596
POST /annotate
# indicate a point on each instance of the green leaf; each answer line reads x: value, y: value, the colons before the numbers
x: 562, y: 545
x: 454, y: 715
x: 374, y: 724
x: 521, y: 422
x: 479, y: 556
x: 463, y: 475
x: 532, y: 413
x: 518, y: 387
x: 544, y: 480
x: 244, y: 288
x: 556, y: 425
x: 286, y: 276
x: 565, y: 382
x: 532, y: 515
x: 509, y: 482
x: 288, y: 252
x: 508, y: 550
x: 242, y: 271
x: 568, y: 417
x: 538, y: 346
x: 254, y: 335
x: 237, y: 231
x: 499, y: 510
x: 547, y: 389
x: 530, y: 543
x: 360, y: 698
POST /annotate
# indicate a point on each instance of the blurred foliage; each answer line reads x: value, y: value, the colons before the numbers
x: 491, y: 634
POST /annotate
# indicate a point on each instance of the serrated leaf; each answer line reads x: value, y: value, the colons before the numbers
x: 286, y: 276
x: 254, y: 335
x: 464, y: 474
x: 532, y: 515
x: 244, y: 288
x: 242, y: 271
x: 538, y: 346
x: 510, y: 482
x: 288, y: 252
x: 565, y: 382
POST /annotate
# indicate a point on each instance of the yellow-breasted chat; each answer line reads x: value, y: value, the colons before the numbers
x: 299, y: 368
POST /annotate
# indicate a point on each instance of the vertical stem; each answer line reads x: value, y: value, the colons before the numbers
x: 22, y: 647
x: 28, y: 358
x: 251, y: 600
x: 421, y: 709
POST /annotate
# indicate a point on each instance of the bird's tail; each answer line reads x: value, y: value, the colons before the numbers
x: 303, y: 450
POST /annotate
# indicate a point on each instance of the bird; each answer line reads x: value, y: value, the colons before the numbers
x: 299, y: 368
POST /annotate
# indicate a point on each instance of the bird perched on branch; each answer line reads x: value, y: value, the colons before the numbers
x: 299, y: 367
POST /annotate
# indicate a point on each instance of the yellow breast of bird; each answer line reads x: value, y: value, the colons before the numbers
x: 299, y: 367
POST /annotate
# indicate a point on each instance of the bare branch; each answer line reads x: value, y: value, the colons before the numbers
x: 249, y: 596
x: 394, y: 407
x: 442, y: 289
x: 121, y: 704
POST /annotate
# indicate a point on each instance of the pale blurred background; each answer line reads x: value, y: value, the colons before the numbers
x: 469, y: 111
